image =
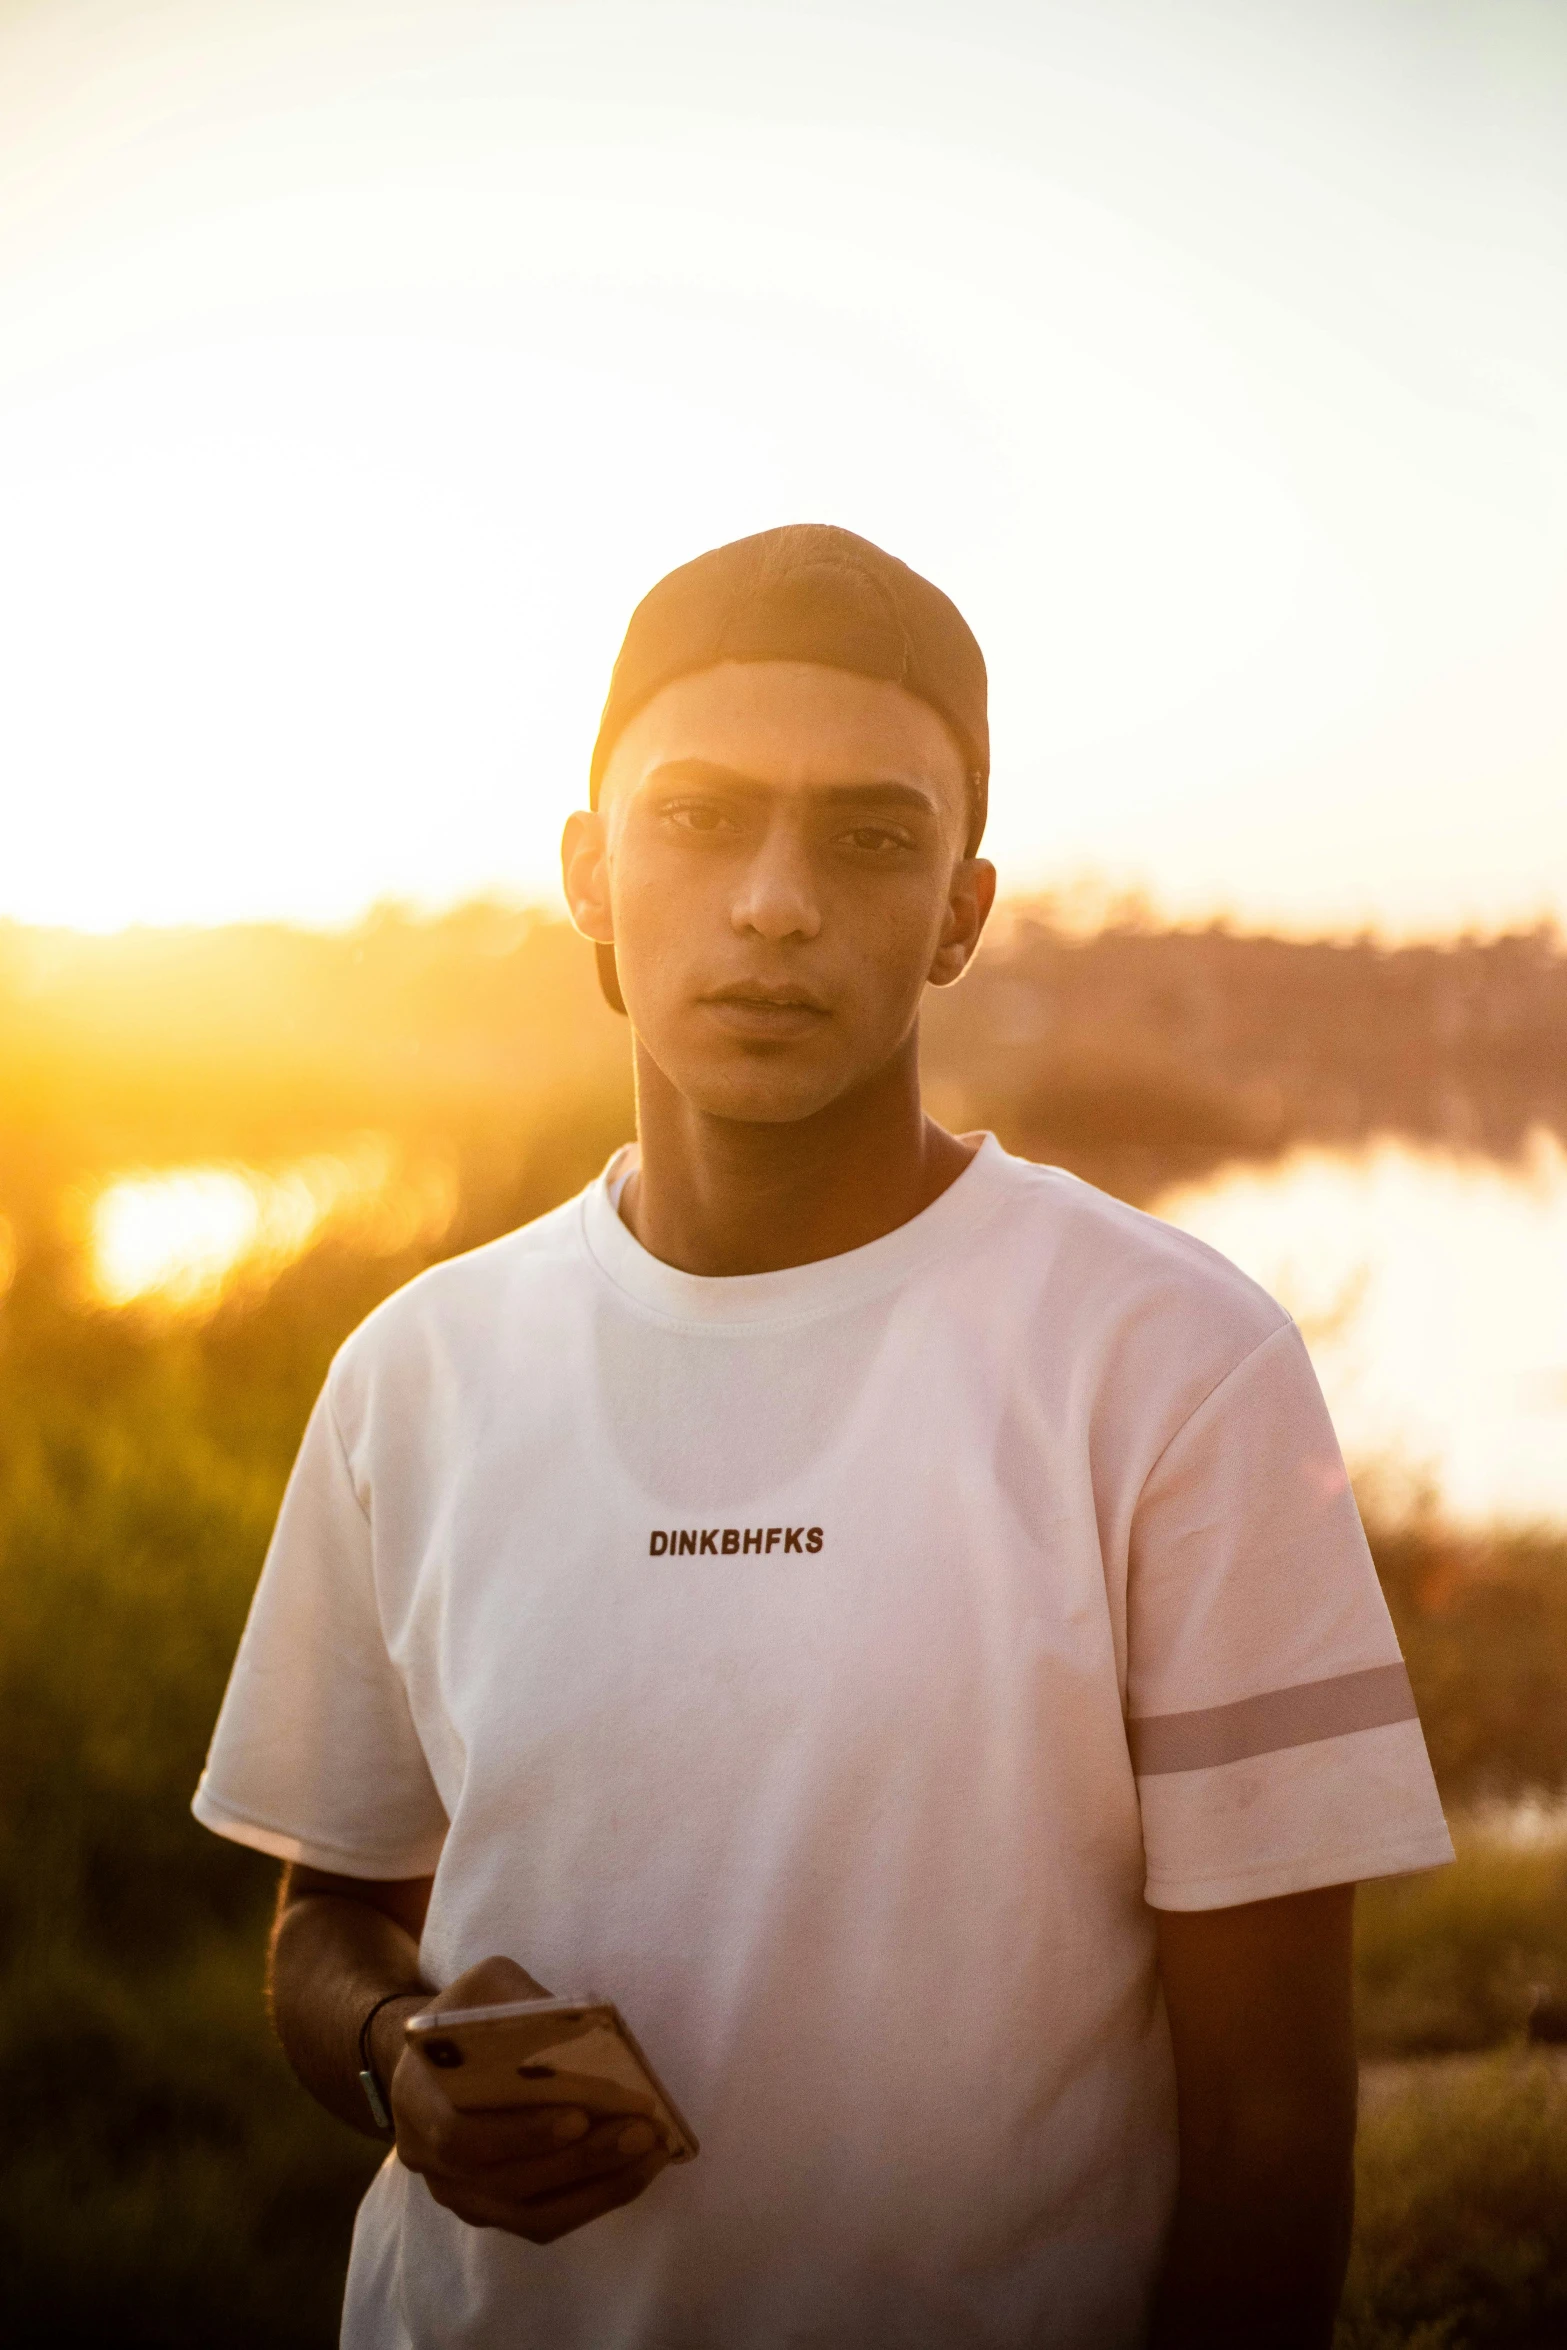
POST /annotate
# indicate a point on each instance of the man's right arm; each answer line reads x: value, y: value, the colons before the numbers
x: 339, y: 1945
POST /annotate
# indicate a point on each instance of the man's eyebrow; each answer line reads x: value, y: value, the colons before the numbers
x: 875, y: 790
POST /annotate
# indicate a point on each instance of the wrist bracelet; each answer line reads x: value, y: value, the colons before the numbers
x: 369, y: 2078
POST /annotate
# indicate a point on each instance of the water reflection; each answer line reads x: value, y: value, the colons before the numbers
x: 1536, y: 1822
x: 183, y: 1236
x: 1432, y: 1291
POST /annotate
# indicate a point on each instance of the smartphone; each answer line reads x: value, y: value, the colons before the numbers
x: 548, y: 2052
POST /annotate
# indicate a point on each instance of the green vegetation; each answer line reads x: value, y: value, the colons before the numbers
x: 165, y: 2182
x: 1461, y: 1958
x: 1461, y: 2225
x: 1484, y: 1628
x: 162, y: 2181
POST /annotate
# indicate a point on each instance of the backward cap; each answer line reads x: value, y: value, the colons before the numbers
x: 807, y: 591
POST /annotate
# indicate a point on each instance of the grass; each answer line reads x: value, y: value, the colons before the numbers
x: 162, y: 2180
x: 1461, y: 2224
x: 1457, y: 1958
x: 1483, y: 1623
x: 1461, y: 2221
x: 165, y: 2182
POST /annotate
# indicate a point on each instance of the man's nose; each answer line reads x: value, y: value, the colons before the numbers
x: 777, y: 897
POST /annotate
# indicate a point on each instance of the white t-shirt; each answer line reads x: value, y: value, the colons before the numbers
x: 829, y: 1666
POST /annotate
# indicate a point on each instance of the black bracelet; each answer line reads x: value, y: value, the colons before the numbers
x: 369, y: 2078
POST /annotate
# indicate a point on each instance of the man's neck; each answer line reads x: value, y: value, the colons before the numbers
x: 720, y: 1196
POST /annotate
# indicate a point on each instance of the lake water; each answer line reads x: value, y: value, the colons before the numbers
x: 1431, y: 1287
x: 1432, y: 1292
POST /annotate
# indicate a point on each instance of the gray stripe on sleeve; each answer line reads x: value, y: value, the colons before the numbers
x: 1267, y: 1724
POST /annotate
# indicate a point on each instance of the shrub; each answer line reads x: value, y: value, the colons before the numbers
x: 1461, y: 2229
x: 1456, y: 1958
x: 164, y: 2180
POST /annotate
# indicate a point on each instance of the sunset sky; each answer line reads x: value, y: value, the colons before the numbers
x: 362, y: 361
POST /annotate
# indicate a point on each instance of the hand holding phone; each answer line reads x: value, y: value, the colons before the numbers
x: 538, y: 2164
x: 576, y: 2054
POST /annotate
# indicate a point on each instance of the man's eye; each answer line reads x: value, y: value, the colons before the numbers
x: 697, y: 816
x: 880, y: 839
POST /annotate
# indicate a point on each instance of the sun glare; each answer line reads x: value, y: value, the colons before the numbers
x: 180, y: 1235
x: 183, y: 1238
x: 361, y: 367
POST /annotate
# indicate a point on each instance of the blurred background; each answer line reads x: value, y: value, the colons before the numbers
x: 361, y: 362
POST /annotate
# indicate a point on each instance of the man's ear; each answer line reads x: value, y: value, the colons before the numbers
x: 969, y: 901
x: 584, y: 873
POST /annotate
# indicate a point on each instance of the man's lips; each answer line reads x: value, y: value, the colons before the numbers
x: 752, y: 1008
x: 756, y: 991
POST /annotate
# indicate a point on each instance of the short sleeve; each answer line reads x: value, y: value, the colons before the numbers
x: 1272, y: 1727
x: 315, y: 1757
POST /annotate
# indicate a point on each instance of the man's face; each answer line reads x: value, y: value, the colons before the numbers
x: 778, y: 859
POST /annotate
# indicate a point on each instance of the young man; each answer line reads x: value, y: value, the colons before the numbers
x: 889, y: 1616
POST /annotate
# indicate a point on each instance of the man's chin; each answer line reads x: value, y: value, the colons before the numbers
x: 772, y: 1089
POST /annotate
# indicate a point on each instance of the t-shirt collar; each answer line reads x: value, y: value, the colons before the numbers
x: 800, y: 1292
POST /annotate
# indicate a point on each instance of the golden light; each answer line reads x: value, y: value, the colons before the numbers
x: 360, y: 367
x: 178, y: 1235
x: 184, y: 1237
